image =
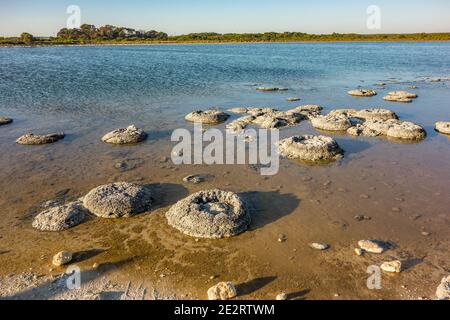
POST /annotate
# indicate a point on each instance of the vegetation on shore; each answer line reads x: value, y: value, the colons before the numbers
x: 108, y: 34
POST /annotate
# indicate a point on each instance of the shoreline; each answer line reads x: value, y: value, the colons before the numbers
x: 207, y: 42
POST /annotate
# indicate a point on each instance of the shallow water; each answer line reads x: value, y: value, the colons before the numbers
x: 88, y: 91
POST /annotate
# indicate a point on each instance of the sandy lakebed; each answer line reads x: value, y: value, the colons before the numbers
x: 86, y: 92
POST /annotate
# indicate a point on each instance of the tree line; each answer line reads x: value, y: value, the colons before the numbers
x: 90, y: 34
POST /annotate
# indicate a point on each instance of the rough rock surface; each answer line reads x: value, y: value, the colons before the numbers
x: 345, y: 112
x: 193, y: 179
x: 331, y: 123
x: 34, y: 139
x: 212, y: 214
x: 392, y: 266
x: 4, y: 120
x: 207, y: 117
x: 127, y: 135
x: 308, y: 111
x: 443, y: 290
x: 362, y: 93
x: 443, y: 127
x: 116, y: 200
x: 222, y: 291
x: 310, y: 148
x: 406, y: 131
x: 240, y: 124
x: 400, y: 96
x: 378, y: 114
x: 62, y: 258
x: 60, y: 217
x: 373, y: 246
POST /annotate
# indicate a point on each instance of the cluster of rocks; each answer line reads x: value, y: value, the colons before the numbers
x: 115, y: 200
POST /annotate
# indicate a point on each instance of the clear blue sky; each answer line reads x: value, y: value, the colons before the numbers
x: 45, y: 17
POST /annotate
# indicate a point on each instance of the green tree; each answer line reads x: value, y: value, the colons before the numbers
x: 26, y: 38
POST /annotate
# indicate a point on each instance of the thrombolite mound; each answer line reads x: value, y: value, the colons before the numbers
x: 331, y: 122
x: 240, y: 124
x: 5, y: 120
x: 117, y: 200
x: 308, y: 111
x: 277, y: 119
x: 127, y: 135
x: 207, y: 116
x: 362, y: 93
x: 380, y: 114
x: 34, y: 139
x: 343, y: 112
x: 60, y: 217
x: 400, y: 96
x: 212, y: 214
x: 443, y: 127
x: 406, y: 131
x: 310, y: 148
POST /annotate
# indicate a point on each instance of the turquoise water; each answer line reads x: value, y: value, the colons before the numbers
x: 155, y: 85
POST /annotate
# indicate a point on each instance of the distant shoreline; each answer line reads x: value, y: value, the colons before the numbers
x: 150, y: 43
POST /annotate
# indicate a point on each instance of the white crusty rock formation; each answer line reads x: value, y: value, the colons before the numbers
x: 211, y: 214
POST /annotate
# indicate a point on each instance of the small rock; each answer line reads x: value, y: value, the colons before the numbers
x: 364, y: 196
x: 373, y: 246
x: 62, y: 258
x: 360, y: 217
x: 392, y: 266
x: 443, y: 127
x: 222, y: 291
x: 4, y: 120
x: 319, y: 246
x: 282, y: 296
x: 359, y: 251
x: 293, y: 99
x: 396, y: 209
x: 282, y: 238
x: 443, y: 290
x: 128, y: 135
x: 426, y: 234
x: 193, y: 179
x: 362, y: 93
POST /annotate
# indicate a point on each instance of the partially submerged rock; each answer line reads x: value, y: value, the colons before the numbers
x: 207, y: 117
x: 331, y: 122
x: 267, y: 89
x: 400, y: 96
x: 238, y: 110
x: 310, y: 148
x: 443, y: 127
x: 60, y: 217
x: 308, y: 111
x: 362, y: 93
x: 128, y: 135
x: 343, y: 112
x: 293, y: 99
x: 373, y: 246
x: 34, y: 139
x: 62, y: 258
x: 239, y: 125
x: 406, y: 131
x: 222, y: 291
x: 117, y: 200
x: 443, y: 290
x: 212, y: 214
x: 392, y: 266
x: 5, y: 120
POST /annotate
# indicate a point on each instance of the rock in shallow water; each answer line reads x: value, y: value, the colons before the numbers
x: 117, y: 200
x: 207, y: 117
x: 34, y: 139
x: 210, y: 214
x: 310, y: 148
x: 331, y: 122
x: 400, y: 96
x: 362, y: 93
x: 5, y: 120
x: 443, y: 127
x: 373, y: 246
x: 222, y: 291
x: 128, y: 135
x: 61, y: 217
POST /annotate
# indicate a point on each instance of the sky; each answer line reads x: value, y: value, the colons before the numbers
x: 46, y: 17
